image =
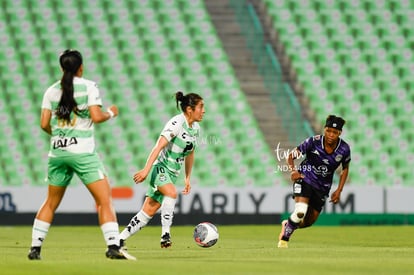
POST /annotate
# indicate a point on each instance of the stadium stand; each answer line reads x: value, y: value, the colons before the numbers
x: 140, y: 53
x: 355, y: 58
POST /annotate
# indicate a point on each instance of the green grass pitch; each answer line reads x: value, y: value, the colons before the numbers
x: 240, y: 250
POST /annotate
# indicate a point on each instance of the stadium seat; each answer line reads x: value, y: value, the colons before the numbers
x: 368, y: 39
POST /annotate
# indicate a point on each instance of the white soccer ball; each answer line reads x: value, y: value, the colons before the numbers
x: 206, y: 234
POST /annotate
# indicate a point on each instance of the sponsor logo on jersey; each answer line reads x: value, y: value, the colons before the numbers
x: 322, y: 170
x: 64, y: 142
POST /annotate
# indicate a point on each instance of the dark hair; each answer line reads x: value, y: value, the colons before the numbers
x: 336, y: 122
x: 70, y: 61
x: 190, y: 99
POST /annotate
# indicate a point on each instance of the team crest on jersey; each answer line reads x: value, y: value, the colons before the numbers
x: 338, y: 158
x: 317, y: 137
x: 162, y: 177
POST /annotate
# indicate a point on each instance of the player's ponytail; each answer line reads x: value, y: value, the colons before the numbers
x: 70, y: 61
x: 189, y: 100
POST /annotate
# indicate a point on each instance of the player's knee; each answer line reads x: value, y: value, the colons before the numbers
x: 168, y: 190
x: 300, y: 211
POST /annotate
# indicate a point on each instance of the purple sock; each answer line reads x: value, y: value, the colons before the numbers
x: 289, y: 228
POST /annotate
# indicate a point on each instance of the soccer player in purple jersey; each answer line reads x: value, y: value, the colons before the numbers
x: 312, y: 180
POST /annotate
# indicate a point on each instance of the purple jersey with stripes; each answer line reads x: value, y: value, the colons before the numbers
x: 318, y: 167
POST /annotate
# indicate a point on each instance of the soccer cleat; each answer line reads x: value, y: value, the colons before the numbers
x: 282, y: 244
x: 166, y: 240
x: 113, y: 253
x: 34, y: 253
x: 118, y: 254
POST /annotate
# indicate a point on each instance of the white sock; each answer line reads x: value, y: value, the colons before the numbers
x: 39, y: 232
x: 167, y: 214
x: 135, y: 224
x: 110, y: 231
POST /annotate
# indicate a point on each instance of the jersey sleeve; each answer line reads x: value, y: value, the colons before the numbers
x: 94, y: 97
x: 306, y: 145
x: 347, y: 158
x: 46, y: 102
x: 171, y: 129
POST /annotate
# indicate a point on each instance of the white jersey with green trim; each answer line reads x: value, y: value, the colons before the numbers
x: 76, y: 136
x: 182, y: 140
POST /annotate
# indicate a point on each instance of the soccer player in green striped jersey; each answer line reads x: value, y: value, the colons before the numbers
x: 174, y: 147
x: 70, y: 108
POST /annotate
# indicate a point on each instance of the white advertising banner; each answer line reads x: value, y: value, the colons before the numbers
x: 217, y: 200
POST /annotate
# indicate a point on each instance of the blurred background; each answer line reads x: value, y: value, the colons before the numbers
x: 270, y: 71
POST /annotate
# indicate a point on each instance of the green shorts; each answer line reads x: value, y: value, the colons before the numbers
x: 88, y: 167
x: 160, y: 176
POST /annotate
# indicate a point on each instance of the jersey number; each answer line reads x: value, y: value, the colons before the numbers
x: 62, y: 123
x: 160, y: 170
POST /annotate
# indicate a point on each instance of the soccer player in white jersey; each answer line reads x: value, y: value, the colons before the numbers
x: 70, y: 108
x: 174, y: 147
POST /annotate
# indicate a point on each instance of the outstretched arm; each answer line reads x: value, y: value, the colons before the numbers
x: 142, y: 174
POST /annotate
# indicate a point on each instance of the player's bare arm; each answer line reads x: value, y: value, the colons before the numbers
x: 45, y: 121
x: 141, y: 175
x: 189, y: 161
x: 294, y: 174
x: 99, y: 116
x: 336, y: 195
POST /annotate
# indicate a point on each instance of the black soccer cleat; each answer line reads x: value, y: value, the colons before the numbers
x: 166, y: 240
x: 113, y: 253
x: 116, y: 253
x: 34, y: 253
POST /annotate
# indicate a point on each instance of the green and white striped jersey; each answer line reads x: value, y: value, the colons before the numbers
x: 182, y: 141
x: 76, y: 137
